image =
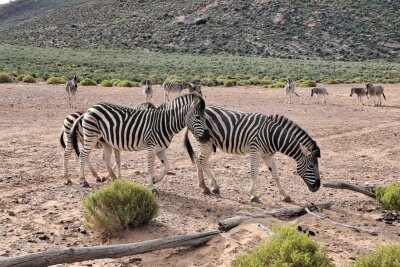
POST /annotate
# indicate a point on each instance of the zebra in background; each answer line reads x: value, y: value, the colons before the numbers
x: 66, y: 143
x: 318, y: 92
x: 375, y: 91
x: 71, y: 88
x: 148, y: 91
x: 133, y: 130
x: 260, y: 136
x: 289, y: 91
x: 360, y: 93
x: 178, y: 87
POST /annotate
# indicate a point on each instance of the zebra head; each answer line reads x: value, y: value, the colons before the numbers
x: 195, y: 88
x: 352, y: 91
x: 307, y: 167
x: 74, y: 81
x: 196, y: 121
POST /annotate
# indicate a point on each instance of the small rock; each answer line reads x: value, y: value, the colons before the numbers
x: 31, y: 241
x: 11, y: 213
x: 44, y: 237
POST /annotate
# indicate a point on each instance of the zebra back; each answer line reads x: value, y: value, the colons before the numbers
x: 169, y: 86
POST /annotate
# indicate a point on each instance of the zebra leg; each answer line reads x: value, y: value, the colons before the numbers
x: 162, y: 156
x: 204, y: 157
x: 117, y: 164
x: 255, y: 162
x: 269, y: 159
x: 92, y: 170
x: 67, y: 154
x: 107, y: 152
x: 150, y: 168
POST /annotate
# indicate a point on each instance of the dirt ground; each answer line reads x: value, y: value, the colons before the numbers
x: 358, y: 144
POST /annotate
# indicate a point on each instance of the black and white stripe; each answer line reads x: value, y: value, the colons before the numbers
x: 319, y: 92
x: 148, y: 91
x: 289, y: 91
x: 375, y: 91
x: 132, y: 130
x: 360, y: 93
x: 71, y: 88
x: 260, y: 136
x: 178, y: 87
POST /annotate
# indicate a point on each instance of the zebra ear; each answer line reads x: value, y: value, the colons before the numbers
x: 305, y: 150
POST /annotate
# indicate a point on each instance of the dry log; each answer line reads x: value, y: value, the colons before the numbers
x: 354, y: 228
x: 366, y: 190
x: 70, y: 255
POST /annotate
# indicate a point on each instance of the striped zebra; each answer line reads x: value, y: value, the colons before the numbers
x: 360, y: 93
x: 375, y: 91
x: 148, y: 91
x: 178, y: 87
x: 66, y: 143
x: 318, y: 92
x: 71, y: 88
x: 260, y: 136
x: 289, y: 91
x: 132, y: 130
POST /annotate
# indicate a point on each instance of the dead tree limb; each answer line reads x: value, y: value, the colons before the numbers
x: 354, y: 228
x: 229, y: 223
x: 366, y: 190
x: 70, y: 255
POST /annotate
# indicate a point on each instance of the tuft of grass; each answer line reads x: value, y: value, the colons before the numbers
x: 56, y: 80
x: 385, y: 256
x: 118, y: 206
x: 29, y: 79
x: 287, y: 247
x: 389, y: 196
x: 5, y: 78
x: 88, y: 82
x: 106, y: 83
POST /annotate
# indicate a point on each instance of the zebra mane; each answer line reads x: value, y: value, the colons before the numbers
x: 283, y: 121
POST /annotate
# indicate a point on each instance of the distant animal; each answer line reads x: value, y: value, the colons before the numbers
x: 375, y: 91
x: 66, y: 143
x: 259, y: 136
x: 360, y: 93
x: 178, y: 87
x: 71, y: 88
x: 289, y: 91
x: 318, y: 92
x: 148, y: 91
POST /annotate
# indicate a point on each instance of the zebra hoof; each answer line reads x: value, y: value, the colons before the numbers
x: 206, y: 191
x: 215, y: 190
x: 255, y: 199
x: 85, y: 184
x: 68, y: 182
x: 155, y: 192
x: 99, y: 180
x: 287, y: 199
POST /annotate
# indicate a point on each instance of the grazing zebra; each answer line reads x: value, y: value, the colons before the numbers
x: 319, y: 92
x: 359, y: 92
x: 289, y: 90
x: 66, y: 143
x: 178, y: 87
x: 375, y: 91
x: 260, y: 136
x: 152, y: 130
x: 148, y: 91
x: 72, y: 88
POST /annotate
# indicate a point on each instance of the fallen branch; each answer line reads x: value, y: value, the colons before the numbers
x: 354, y: 228
x: 229, y: 223
x: 366, y: 190
x: 70, y: 255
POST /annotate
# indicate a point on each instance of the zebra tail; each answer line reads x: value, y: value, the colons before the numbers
x: 74, y: 135
x: 384, y: 97
x: 62, y: 139
x: 188, y: 145
x: 296, y: 94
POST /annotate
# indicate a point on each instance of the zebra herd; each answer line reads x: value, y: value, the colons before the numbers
x: 146, y: 127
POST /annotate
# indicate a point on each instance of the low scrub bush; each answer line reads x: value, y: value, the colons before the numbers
x: 386, y: 256
x: 118, y: 206
x: 244, y: 83
x: 357, y: 80
x: 126, y: 83
x: 389, y: 196
x: 21, y: 77
x: 287, y: 247
x: 115, y: 82
x: 5, y: 78
x: 88, y: 82
x: 56, y: 80
x: 229, y: 83
x: 278, y: 84
x: 29, y: 79
x: 208, y: 82
x: 306, y: 83
x: 106, y: 83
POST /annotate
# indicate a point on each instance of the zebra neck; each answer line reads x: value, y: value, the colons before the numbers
x: 173, y: 121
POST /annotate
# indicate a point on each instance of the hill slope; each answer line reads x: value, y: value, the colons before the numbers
x: 343, y: 29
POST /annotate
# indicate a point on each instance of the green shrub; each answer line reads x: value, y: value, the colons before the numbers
x: 88, y: 82
x: 118, y: 206
x: 229, y: 83
x: 56, y: 80
x: 125, y: 83
x: 306, y: 83
x: 389, y: 196
x: 278, y: 84
x: 106, y: 83
x: 254, y: 80
x: 29, y: 79
x: 244, y: 83
x: 175, y: 79
x: 287, y: 247
x: 115, y: 82
x: 357, y: 80
x: 386, y: 256
x: 21, y: 77
x: 208, y: 82
x: 5, y: 78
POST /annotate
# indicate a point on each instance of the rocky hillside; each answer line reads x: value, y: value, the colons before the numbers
x: 342, y: 29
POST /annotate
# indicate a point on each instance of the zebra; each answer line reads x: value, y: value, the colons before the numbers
x: 71, y: 88
x: 375, y: 91
x: 148, y: 91
x: 319, y: 92
x: 289, y: 90
x: 178, y: 87
x: 260, y: 136
x: 360, y: 92
x: 128, y: 129
x: 66, y: 143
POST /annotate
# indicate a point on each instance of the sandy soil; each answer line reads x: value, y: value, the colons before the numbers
x: 358, y: 144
